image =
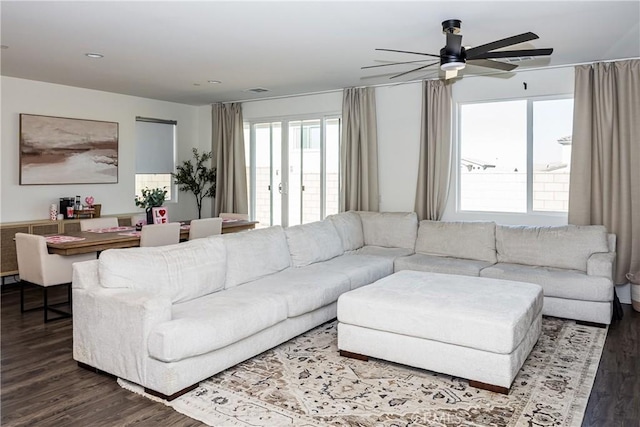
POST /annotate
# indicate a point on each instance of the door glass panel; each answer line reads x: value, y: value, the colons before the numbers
x: 263, y: 173
x: 295, y: 173
x: 332, y: 166
x: 311, y: 167
x: 276, y: 173
x: 247, y: 159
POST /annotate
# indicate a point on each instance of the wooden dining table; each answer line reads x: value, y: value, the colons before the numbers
x: 95, y: 242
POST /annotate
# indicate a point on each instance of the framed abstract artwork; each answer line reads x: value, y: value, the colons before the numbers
x: 58, y: 150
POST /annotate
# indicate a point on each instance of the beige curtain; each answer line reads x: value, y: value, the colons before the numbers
x: 359, y: 151
x: 605, y: 156
x: 435, y: 150
x: 228, y: 149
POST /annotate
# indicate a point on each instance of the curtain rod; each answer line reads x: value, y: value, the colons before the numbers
x: 552, y: 67
x: 152, y: 120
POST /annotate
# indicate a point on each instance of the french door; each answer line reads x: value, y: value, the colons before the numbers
x: 293, y: 169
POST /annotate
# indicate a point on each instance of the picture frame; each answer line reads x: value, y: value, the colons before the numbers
x: 60, y: 150
x: 160, y: 215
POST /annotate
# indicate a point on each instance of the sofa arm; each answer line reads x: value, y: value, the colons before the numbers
x: 111, y: 328
x: 601, y: 264
x: 85, y: 274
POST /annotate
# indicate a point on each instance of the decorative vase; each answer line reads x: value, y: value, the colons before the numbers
x: 53, y: 212
x: 149, y: 215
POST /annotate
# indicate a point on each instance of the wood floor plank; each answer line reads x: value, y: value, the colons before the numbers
x: 41, y: 384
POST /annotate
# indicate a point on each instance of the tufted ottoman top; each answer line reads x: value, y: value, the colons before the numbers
x: 486, y: 314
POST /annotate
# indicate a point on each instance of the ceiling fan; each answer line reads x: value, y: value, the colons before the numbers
x: 454, y: 57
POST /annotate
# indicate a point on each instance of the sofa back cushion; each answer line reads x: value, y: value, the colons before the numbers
x: 468, y: 240
x: 390, y: 229
x: 349, y: 228
x: 561, y: 247
x: 181, y: 272
x: 313, y: 242
x: 255, y: 254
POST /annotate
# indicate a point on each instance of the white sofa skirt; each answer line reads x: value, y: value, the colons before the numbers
x: 464, y: 362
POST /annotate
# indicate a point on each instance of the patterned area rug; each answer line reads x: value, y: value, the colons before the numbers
x: 304, y: 382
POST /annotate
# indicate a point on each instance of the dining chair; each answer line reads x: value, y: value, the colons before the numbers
x: 160, y: 234
x: 95, y: 223
x: 228, y: 215
x: 204, y: 227
x: 37, y: 267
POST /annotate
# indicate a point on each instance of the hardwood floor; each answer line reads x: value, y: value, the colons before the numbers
x: 42, y: 385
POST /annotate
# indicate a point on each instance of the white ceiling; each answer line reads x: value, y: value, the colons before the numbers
x: 161, y: 49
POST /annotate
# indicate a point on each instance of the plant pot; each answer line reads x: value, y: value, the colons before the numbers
x: 149, y: 216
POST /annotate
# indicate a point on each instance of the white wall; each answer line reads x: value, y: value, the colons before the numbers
x: 327, y: 103
x: 30, y: 202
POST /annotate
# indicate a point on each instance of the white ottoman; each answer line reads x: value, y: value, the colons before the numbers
x: 470, y: 327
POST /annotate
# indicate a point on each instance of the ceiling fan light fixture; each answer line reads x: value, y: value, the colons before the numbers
x: 452, y: 65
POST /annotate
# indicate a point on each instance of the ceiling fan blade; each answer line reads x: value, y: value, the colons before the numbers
x: 520, y: 38
x: 492, y: 64
x: 393, y: 63
x: 415, y: 69
x: 450, y: 74
x: 513, y: 53
x: 406, y: 51
x: 454, y: 43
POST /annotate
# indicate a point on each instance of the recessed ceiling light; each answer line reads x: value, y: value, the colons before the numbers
x: 214, y: 82
x: 94, y: 55
x: 257, y: 90
x: 4, y: 46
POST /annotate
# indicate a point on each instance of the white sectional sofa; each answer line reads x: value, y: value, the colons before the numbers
x: 169, y: 317
x: 573, y: 264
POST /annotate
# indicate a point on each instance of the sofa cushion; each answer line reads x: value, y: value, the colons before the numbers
x: 313, y: 242
x: 390, y: 229
x: 379, y: 251
x: 361, y: 269
x: 254, y: 254
x: 469, y: 240
x: 562, y: 247
x: 440, y: 264
x: 167, y: 270
x: 556, y: 282
x: 214, y: 321
x: 349, y: 227
x: 304, y: 289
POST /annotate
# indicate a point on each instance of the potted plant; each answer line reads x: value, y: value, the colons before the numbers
x: 197, y: 178
x: 151, y: 199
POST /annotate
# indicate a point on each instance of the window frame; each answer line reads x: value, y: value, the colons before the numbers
x: 457, y: 158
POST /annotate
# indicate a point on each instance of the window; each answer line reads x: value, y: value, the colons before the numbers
x: 155, y: 154
x: 514, y: 156
x: 293, y: 169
